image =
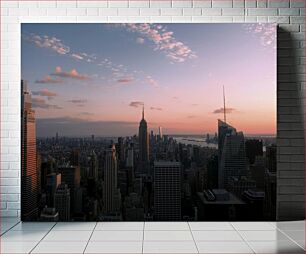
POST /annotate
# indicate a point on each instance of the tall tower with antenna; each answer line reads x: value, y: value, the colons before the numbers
x: 143, y: 136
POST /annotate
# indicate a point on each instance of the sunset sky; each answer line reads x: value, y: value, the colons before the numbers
x: 93, y: 78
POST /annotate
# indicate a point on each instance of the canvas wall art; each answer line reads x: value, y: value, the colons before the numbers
x: 148, y: 122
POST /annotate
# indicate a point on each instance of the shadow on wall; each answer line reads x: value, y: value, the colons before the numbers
x: 290, y: 128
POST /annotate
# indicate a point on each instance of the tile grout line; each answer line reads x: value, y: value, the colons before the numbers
x: 90, y: 237
x: 10, y: 228
x: 246, y: 242
x: 193, y: 237
x: 290, y: 238
x: 143, y: 232
x: 42, y: 238
x: 273, y: 225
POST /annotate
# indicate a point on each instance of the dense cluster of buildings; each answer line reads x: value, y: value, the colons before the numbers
x: 145, y: 177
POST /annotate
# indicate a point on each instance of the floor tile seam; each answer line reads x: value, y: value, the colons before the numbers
x: 90, y: 237
x: 244, y: 240
x: 42, y: 238
x: 10, y: 228
x: 193, y: 238
x: 290, y: 238
x: 143, y: 231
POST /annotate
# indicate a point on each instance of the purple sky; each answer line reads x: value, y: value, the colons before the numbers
x: 93, y: 78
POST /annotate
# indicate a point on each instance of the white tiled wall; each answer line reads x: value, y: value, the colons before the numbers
x: 290, y: 14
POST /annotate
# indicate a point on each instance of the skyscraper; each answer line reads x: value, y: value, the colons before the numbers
x: 143, y: 146
x: 62, y: 202
x: 223, y: 130
x: 120, y: 149
x: 93, y: 170
x: 257, y: 171
x: 269, y: 206
x: 253, y: 148
x: 160, y: 132
x: 75, y: 157
x: 71, y: 175
x: 232, y: 160
x: 53, y: 180
x: 167, y: 191
x: 130, y: 157
x: 111, y: 193
x: 29, y: 174
x: 271, y: 157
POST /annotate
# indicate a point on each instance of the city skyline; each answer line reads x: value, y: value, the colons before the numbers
x: 145, y: 176
x: 176, y: 70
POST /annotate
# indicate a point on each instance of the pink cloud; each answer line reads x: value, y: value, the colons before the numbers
x: 45, y: 41
x: 265, y: 32
x: 45, y: 93
x: 41, y: 103
x: 56, y: 45
x: 77, y: 56
x: 163, y: 40
x: 78, y: 101
x: 156, y: 108
x: 71, y: 74
x: 49, y: 80
x: 152, y: 81
x: 221, y: 110
x: 136, y: 104
x: 125, y: 80
x: 140, y: 40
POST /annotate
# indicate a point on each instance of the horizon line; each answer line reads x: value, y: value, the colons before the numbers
x: 180, y: 134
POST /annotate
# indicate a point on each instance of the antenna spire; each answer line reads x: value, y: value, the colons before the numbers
x: 142, y: 111
x: 224, y: 109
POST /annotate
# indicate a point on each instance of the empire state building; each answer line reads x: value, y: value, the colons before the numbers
x: 143, y: 145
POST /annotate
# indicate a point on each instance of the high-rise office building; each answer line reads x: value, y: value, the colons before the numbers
x: 160, y: 132
x: 212, y: 172
x: 78, y: 200
x: 232, y: 160
x: 75, y: 157
x: 223, y: 130
x: 271, y: 158
x: 29, y: 174
x: 167, y: 191
x: 111, y: 193
x: 270, y: 195
x: 253, y: 148
x: 130, y: 157
x: 62, y: 202
x: 143, y: 146
x: 71, y: 176
x: 94, y: 166
x: 257, y: 171
x: 53, y: 180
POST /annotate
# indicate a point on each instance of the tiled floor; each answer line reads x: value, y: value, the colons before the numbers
x: 152, y: 237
